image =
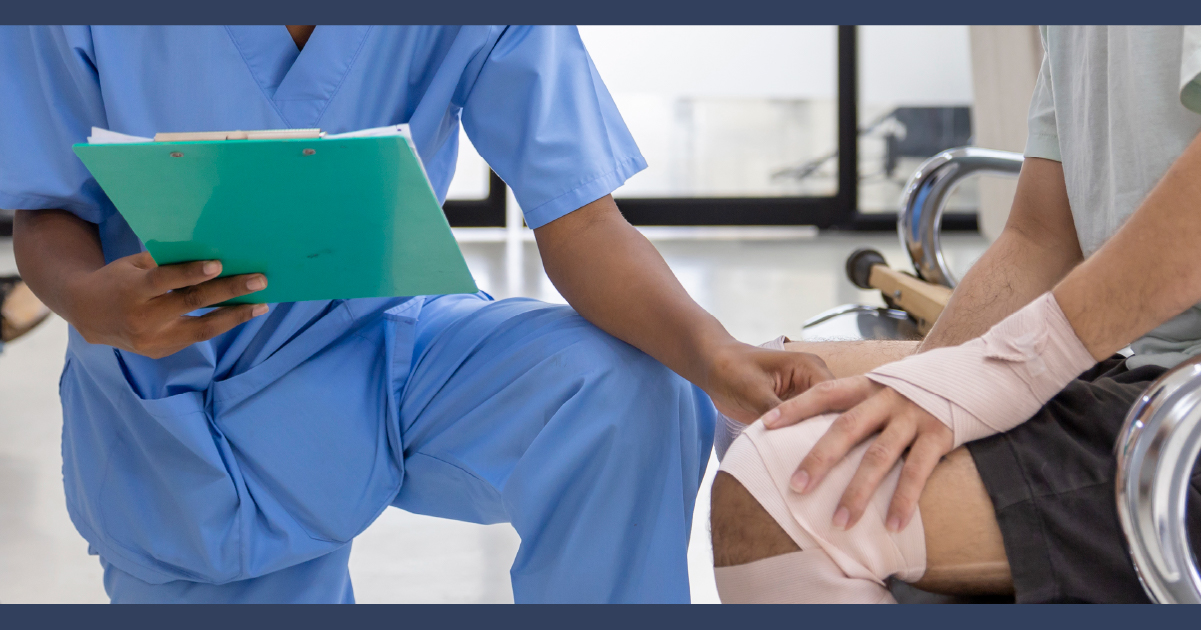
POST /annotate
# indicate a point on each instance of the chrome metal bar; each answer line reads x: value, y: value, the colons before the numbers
x: 858, y: 322
x: 1156, y: 450
x: 926, y: 195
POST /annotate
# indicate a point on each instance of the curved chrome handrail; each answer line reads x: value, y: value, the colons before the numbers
x: 926, y: 195
x: 1156, y: 450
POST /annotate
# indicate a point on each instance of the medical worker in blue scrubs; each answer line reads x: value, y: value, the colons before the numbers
x: 233, y: 457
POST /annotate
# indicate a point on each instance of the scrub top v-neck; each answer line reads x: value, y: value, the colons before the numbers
x: 301, y: 35
x: 299, y: 83
x: 529, y: 98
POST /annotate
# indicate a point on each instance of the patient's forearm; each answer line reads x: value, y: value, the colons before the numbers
x: 852, y: 358
x: 995, y: 287
x: 1148, y: 272
x: 1036, y: 250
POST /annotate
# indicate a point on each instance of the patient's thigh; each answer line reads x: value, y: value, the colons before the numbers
x: 964, y: 550
x: 852, y: 358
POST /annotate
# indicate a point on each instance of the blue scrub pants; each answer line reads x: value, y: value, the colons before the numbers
x: 523, y: 412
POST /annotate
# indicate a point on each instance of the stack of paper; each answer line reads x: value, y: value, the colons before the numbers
x: 104, y: 136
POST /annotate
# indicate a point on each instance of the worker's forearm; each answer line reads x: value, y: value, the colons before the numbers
x: 1148, y: 272
x: 53, y: 249
x: 612, y: 275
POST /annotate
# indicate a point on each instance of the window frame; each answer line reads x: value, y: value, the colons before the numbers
x: 837, y: 212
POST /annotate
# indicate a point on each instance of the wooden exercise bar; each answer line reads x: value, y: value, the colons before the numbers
x: 20, y: 312
x: 921, y: 299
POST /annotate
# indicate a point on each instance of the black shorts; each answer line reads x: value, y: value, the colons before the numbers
x: 1051, y: 481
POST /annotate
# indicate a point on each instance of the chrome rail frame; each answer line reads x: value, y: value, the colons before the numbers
x: 926, y: 196
x: 1156, y: 451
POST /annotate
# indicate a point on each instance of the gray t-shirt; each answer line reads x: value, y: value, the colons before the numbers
x: 1117, y: 105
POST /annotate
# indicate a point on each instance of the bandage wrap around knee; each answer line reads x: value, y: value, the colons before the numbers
x: 994, y: 383
x: 801, y: 577
x: 834, y: 565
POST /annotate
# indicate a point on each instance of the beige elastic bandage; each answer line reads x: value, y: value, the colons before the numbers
x: 994, y: 383
x: 833, y: 566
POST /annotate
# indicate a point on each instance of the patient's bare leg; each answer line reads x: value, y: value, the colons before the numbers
x: 742, y: 530
x: 964, y: 550
x: 852, y: 358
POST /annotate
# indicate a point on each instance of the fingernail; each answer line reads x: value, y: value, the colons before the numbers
x: 257, y: 283
x: 800, y: 481
x: 769, y: 418
x: 841, y: 517
x: 893, y: 524
x: 212, y: 268
x: 259, y: 309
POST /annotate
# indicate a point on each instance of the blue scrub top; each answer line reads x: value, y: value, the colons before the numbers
x: 529, y: 98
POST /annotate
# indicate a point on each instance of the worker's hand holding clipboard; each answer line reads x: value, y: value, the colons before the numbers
x: 322, y: 217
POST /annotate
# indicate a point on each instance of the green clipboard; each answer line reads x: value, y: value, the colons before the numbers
x: 322, y: 218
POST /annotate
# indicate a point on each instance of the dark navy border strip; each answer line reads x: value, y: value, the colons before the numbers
x: 978, y: 617
x: 601, y: 11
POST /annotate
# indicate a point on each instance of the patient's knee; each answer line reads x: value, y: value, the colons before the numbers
x: 742, y: 530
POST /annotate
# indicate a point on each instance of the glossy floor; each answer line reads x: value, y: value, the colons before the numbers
x: 760, y: 283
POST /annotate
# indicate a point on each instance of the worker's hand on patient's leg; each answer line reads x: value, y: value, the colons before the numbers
x: 867, y: 408
x: 136, y: 305
x: 747, y: 381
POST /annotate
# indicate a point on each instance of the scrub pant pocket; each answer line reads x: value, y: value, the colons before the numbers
x: 274, y: 467
x: 316, y: 440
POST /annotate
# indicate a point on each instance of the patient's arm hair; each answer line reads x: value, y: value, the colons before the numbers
x: 1037, y: 249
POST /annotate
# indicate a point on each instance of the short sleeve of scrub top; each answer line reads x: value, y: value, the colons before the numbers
x: 51, y: 100
x: 541, y: 117
x: 1042, y: 140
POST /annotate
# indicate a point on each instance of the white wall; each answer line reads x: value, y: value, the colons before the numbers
x: 651, y: 69
x: 915, y: 65
x: 716, y: 61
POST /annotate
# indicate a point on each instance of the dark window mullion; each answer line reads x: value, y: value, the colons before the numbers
x: 487, y: 212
